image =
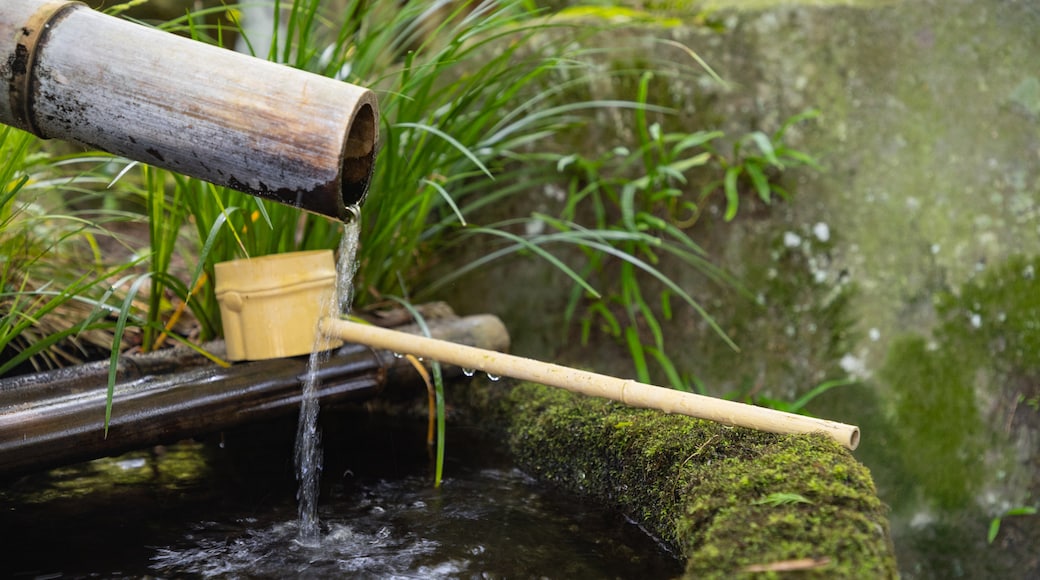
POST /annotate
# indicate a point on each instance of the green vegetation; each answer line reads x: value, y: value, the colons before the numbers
x: 475, y: 99
x: 437, y: 403
x: 54, y: 284
x: 994, y: 525
x: 958, y: 430
x: 782, y: 498
x: 978, y: 368
x: 938, y: 416
x: 471, y: 103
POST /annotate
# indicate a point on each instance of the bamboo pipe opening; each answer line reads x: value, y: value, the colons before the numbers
x: 359, y: 156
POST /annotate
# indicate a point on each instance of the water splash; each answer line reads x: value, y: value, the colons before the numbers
x: 402, y: 528
x: 308, y: 436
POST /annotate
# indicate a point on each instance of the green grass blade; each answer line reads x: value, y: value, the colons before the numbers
x: 120, y: 328
x: 635, y: 348
x: 536, y: 248
x: 438, y: 383
x: 732, y: 195
x: 454, y: 143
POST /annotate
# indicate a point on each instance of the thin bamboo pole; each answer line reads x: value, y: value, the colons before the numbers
x: 627, y: 391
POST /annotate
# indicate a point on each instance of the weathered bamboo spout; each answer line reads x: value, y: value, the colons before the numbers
x: 259, y: 127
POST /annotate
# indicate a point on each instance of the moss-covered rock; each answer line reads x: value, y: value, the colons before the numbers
x: 729, y: 500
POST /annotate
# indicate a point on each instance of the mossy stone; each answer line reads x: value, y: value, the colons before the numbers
x: 704, y: 488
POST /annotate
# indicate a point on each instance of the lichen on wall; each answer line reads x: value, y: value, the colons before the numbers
x: 966, y: 410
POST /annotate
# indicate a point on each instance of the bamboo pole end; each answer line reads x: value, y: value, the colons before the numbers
x: 853, y: 441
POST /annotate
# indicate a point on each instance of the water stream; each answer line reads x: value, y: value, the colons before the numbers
x: 308, y: 436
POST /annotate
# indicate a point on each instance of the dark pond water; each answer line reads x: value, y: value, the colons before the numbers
x: 225, y: 507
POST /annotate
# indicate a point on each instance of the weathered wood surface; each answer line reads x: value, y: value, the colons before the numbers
x: 259, y: 127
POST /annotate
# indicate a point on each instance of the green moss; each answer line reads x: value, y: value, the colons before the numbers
x: 950, y: 390
x: 938, y: 417
x: 995, y: 317
x: 699, y: 485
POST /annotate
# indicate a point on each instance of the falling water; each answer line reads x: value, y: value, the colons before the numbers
x: 308, y: 437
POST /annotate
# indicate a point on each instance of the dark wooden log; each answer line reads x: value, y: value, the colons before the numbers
x: 57, y: 417
x: 152, y: 409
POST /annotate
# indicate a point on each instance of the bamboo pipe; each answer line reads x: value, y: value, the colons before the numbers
x: 262, y: 128
x: 627, y: 391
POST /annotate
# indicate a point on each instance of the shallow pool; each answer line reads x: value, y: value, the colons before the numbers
x: 225, y: 507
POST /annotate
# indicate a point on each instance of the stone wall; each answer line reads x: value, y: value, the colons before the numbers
x: 929, y: 135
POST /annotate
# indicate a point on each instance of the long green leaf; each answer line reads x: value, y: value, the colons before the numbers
x: 454, y: 143
x: 438, y: 383
x: 120, y: 328
x: 732, y: 195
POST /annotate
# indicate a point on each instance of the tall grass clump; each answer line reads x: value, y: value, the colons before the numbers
x: 629, y: 212
x: 56, y: 291
x: 474, y: 98
x: 464, y: 91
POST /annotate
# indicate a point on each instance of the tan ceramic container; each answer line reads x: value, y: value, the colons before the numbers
x: 270, y: 306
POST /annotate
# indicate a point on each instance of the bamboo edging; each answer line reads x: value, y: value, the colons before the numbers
x: 627, y: 391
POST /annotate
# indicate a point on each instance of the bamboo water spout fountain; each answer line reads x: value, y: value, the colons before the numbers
x: 270, y: 131
x: 259, y: 314
x: 262, y: 128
